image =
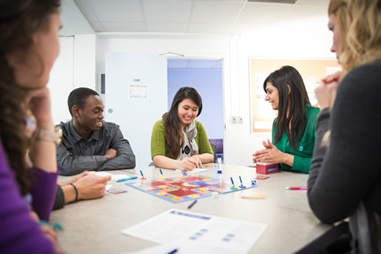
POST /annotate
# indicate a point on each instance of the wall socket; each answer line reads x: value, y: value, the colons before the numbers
x: 236, y: 119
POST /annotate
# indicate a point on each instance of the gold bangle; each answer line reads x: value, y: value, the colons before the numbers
x: 52, y: 136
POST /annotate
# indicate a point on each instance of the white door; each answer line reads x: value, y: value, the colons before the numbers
x: 136, y: 97
x: 61, y: 80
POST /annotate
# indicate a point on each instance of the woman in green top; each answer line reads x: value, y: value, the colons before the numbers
x: 178, y: 141
x: 293, y: 131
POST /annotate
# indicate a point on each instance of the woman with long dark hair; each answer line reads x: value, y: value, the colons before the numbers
x: 178, y: 141
x: 28, y: 170
x: 293, y: 132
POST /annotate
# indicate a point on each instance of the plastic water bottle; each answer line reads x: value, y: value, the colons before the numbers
x: 219, y: 162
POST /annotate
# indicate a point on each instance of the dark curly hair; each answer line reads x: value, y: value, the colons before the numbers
x: 79, y: 97
x: 19, y: 20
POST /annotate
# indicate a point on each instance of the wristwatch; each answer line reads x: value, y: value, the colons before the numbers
x: 53, y: 136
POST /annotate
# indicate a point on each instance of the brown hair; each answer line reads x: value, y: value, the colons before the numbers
x: 19, y: 20
x: 291, y: 110
x: 174, y: 137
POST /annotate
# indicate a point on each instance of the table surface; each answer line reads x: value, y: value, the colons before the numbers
x: 94, y: 226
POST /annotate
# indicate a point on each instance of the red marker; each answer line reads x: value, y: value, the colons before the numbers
x: 296, y: 188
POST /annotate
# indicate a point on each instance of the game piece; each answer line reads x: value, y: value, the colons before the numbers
x: 261, y: 177
x: 255, y: 195
x: 266, y: 168
x: 233, y: 186
x: 241, y: 186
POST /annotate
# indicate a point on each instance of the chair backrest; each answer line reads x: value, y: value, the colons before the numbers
x: 337, y: 235
x: 218, y: 148
x: 214, y: 151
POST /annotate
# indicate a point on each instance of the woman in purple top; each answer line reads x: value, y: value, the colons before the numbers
x: 28, y: 48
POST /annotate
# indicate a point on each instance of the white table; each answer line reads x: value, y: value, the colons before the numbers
x: 94, y: 226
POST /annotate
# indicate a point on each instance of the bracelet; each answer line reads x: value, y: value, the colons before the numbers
x: 52, y: 136
x: 76, y: 192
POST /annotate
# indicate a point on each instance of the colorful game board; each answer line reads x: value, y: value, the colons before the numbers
x: 185, y: 188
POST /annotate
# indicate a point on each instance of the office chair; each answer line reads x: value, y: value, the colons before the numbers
x: 214, y: 148
x: 335, y: 240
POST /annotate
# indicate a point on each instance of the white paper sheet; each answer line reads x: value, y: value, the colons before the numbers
x: 218, y: 234
x: 178, y: 248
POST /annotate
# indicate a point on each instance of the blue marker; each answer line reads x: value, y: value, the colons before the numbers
x: 161, y: 172
x: 127, y: 179
x: 172, y: 251
x: 192, y: 204
x: 141, y: 173
x: 241, y: 186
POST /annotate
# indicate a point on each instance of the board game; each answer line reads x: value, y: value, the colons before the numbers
x: 185, y: 188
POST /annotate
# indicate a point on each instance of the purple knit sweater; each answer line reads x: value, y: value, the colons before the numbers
x: 19, y: 232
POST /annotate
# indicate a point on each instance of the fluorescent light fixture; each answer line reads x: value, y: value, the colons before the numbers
x: 273, y: 1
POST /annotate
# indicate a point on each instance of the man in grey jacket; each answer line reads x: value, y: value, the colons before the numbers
x: 88, y: 142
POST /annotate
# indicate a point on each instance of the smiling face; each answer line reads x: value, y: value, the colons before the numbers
x: 187, y: 111
x: 272, y: 95
x: 89, y: 118
x: 336, y: 37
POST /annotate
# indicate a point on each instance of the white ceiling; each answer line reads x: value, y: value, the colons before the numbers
x: 182, y: 16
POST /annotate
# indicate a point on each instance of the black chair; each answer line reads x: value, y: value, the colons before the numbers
x: 218, y: 148
x: 335, y: 240
x: 214, y: 148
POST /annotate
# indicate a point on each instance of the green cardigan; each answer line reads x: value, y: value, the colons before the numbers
x: 158, y: 140
x: 304, y: 148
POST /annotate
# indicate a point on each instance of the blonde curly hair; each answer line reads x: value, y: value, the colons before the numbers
x: 359, y: 22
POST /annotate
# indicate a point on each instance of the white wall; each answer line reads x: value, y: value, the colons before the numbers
x: 74, y: 67
x: 136, y: 115
x: 61, y: 80
x: 85, y: 60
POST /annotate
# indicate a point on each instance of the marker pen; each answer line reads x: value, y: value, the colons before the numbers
x: 173, y: 251
x: 142, y: 178
x: 192, y: 204
x: 126, y: 179
x: 296, y: 188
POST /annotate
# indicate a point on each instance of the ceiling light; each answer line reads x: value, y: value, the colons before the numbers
x: 273, y: 1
